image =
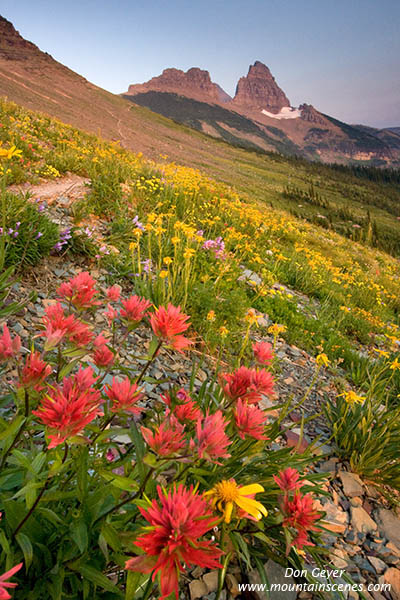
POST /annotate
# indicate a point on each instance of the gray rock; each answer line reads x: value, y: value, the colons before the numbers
x: 361, y: 521
x: 378, y: 564
x: 275, y: 575
x: 352, y: 484
x: 389, y: 525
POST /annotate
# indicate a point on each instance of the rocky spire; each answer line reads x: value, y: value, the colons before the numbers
x: 259, y: 90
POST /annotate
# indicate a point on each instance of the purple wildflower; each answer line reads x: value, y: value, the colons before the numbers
x: 137, y: 223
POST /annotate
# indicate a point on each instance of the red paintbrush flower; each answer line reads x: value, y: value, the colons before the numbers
x: 111, y: 314
x: 4, y: 595
x: 168, y: 323
x: 80, y: 334
x: 8, y: 347
x: 113, y: 293
x: 35, y: 371
x: 124, y: 396
x: 250, y: 420
x: 58, y: 325
x: 212, y: 440
x: 299, y: 513
x: 102, y: 355
x: 288, y: 480
x: 177, y: 521
x: 188, y: 410
x: 69, y: 407
x: 167, y: 439
x: 263, y: 353
x: 80, y: 291
x: 247, y: 384
x: 134, y: 309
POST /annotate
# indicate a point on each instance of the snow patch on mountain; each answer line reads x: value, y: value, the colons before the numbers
x: 287, y: 112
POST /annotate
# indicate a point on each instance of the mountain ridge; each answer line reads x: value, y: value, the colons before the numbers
x: 36, y: 80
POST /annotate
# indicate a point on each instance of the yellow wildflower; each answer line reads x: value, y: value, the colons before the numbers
x: 276, y: 329
x: 227, y: 495
x: 211, y: 315
x: 223, y: 331
x: 188, y: 253
x: 251, y: 317
x: 395, y: 365
x: 382, y: 352
x: 175, y: 240
x: 167, y: 260
x: 322, y: 360
x: 163, y: 274
x: 352, y: 398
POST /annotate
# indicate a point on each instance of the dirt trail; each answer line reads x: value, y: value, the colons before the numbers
x: 71, y: 186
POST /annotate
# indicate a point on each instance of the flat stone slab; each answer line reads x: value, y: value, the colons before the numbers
x: 361, y: 521
x: 389, y: 525
x: 352, y: 484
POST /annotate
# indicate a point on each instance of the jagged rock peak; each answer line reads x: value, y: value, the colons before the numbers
x: 310, y: 114
x: 259, y: 90
x: 195, y: 83
x: 13, y: 46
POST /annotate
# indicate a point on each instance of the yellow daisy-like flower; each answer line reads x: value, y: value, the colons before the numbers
x: 188, y: 253
x: 251, y: 317
x: 167, y: 260
x: 223, y: 331
x: 276, y: 329
x: 8, y: 154
x: 175, y: 240
x: 227, y: 495
x: 163, y: 274
x: 395, y: 365
x: 211, y: 315
x: 322, y: 360
x: 382, y: 352
x: 352, y: 398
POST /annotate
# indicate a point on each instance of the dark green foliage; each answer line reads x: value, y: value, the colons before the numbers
x: 36, y: 234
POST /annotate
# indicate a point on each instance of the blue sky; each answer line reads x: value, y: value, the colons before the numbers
x: 342, y: 56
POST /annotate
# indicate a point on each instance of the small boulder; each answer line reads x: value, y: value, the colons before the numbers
x: 389, y: 525
x: 361, y: 521
x: 392, y: 576
x: 352, y: 484
x: 197, y: 589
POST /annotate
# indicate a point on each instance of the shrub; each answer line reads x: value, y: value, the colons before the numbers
x: 88, y: 461
x: 366, y: 429
x: 29, y: 234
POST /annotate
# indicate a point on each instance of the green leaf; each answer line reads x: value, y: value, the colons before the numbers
x: 26, y: 547
x: 98, y: 579
x: 134, y: 582
x: 120, y: 482
x: 79, y: 534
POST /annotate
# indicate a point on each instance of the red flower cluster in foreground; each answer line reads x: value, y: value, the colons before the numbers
x: 59, y: 326
x: 212, y: 440
x: 80, y: 291
x: 247, y: 384
x: 250, y: 420
x: 4, y: 595
x: 124, y: 396
x: 299, y: 512
x: 135, y: 309
x: 168, y: 323
x: 263, y: 353
x: 184, y: 408
x: 69, y: 407
x: 177, y: 522
x: 35, y: 371
x: 167, y: 439
x: 8, y: 347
